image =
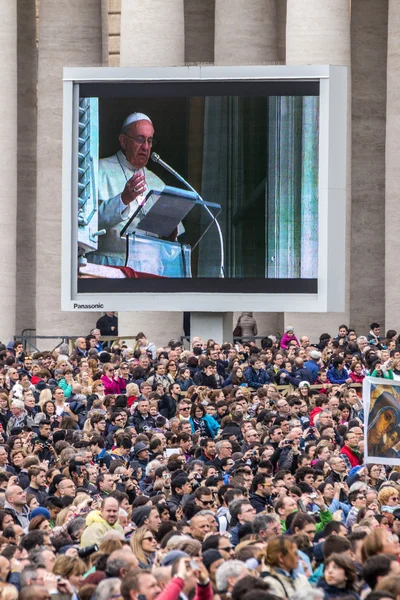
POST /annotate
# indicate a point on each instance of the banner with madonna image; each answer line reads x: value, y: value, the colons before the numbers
x: 381, y: 399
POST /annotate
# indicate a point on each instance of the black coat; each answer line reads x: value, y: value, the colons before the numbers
x: 330, y: 591
x: 105, y: 323
x: 259, y: 502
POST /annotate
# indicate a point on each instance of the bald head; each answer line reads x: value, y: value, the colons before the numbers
x: 199, y: 527
x: 109, y: 510
x: 15, y: 495
x: 66, y: 487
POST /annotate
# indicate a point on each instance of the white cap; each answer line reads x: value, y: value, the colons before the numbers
x: 134, y: 117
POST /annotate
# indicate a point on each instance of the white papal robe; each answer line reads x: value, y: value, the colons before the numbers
x: 114, y: 172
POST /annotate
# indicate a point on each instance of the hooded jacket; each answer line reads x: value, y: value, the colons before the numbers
x: 96, y: 528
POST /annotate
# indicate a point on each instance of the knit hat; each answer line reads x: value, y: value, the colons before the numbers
x: 41, y: 385
x: 289, y: 328
x: 210, y: 556
x: 104, y: 357
x: 40, y: 511
x: 139, y: 447
x: 140, y: 514
x: 172, y: 556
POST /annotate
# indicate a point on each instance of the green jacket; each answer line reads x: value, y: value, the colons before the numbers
x: 324, y: 515
x: 388, y: 374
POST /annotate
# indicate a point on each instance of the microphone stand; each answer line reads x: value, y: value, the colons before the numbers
x: 156, y: 158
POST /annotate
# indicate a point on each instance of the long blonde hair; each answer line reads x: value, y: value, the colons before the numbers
x: 136, y: 543
x: 44, y: 396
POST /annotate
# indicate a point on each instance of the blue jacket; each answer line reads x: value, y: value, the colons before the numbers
x: 256, y: 379
x: 313, y: 368
x: 212, y: 425
x: 299, y: 375
x: 336, y: 376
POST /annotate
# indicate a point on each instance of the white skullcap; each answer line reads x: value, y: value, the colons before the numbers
x: 134, y: 117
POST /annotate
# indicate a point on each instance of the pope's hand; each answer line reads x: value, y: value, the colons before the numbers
x: 134, y: 187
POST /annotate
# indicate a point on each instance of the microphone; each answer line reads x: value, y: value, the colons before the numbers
x: 158, y: 160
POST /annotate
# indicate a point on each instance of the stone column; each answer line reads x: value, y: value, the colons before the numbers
x: 319, y: 33
x: 369, y: 22
x: 248, y: 33
x: 245, y: 32
x: 152, y: 34
x: 199, y: 31
x: 105, y: 32
x: 281, y: 19
x: 69, y: 35
x: 8, y: 167
x: 392, y: 219
x: 26, y: 180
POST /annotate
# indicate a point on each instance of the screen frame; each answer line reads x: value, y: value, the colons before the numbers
x: 330, y: 294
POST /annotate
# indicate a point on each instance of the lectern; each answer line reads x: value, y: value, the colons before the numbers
x: 148, y: 249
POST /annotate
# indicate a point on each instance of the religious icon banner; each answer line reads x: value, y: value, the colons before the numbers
x: 381, y: 399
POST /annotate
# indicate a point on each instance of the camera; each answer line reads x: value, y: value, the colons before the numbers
x: 87, y: 551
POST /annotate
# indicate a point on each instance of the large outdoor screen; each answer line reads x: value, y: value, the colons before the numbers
x: 185, y: 186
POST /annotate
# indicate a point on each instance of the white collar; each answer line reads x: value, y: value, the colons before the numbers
x: 125, y: 163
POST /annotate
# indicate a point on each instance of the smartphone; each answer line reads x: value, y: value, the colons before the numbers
x: 195, y: 565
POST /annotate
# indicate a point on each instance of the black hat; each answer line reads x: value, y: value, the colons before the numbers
x: 210, y: 556
x: 140, y: 514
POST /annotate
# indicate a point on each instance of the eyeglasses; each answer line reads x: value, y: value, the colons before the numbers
x: 185, y: 408
x: 226, y: 548
x: 110, y: 370
x: 149, y: 539
x: 207, y: 502
x: 140, y: 140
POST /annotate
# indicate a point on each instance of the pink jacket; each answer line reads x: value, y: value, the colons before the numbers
x: 113, y: 387
x: 176, y: 585
x: 288, y: 338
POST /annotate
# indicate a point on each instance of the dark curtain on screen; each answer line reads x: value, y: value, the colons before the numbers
x: 260, y: 162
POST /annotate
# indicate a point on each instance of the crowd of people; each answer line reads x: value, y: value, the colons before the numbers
x: 215, y: 472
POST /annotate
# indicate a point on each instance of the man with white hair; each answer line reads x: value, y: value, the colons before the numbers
x: 108, y: 588
x: 228, y: 574
x: 124, y: 182
x: 19, y: 415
